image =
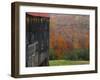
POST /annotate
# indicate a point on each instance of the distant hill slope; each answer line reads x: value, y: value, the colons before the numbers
x: 68, y: 32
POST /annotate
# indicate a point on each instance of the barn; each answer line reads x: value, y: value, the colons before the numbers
x: 37, y: 39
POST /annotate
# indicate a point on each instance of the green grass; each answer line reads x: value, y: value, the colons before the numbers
x: 66, y: 62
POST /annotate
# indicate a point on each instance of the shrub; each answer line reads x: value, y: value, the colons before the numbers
x: 77, y: 54
x: 52, y: 55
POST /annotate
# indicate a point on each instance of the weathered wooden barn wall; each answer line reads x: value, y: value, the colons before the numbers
x: 37, y: 39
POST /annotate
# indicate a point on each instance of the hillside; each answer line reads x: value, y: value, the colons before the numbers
x: 68, y: 32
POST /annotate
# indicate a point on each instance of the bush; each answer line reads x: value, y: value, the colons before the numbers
x: 52, y: 55
x: 77, y: 54
x: 84, y: 55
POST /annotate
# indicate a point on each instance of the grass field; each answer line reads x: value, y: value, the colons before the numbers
x: 66, y: 62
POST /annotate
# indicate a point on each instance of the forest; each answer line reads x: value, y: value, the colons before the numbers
x: 69, y: 39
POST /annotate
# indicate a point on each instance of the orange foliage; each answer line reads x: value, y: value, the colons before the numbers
x: 52, y: 40
x: 87, y: 40
x: 61, y: 45
x: 76, y: 41
x: 65, y: 37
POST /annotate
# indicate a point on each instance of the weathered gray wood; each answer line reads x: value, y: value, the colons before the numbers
x: 37, y: 37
